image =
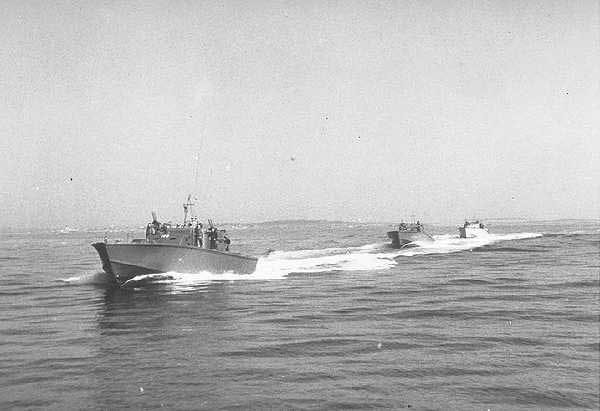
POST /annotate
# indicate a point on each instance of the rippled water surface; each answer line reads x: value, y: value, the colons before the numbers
x: 332, y: 319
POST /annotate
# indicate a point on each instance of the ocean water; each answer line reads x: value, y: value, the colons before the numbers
x: 331, y: 319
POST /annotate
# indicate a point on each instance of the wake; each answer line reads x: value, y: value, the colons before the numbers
x: 97, y: 277
x: 447, y: 243
x: 280, y: 264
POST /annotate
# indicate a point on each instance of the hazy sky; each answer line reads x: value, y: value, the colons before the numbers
x: 306, y: 109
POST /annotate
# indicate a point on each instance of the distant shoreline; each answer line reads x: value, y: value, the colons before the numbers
x: 124, y: 228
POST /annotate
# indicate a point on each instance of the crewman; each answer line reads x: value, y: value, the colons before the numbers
x: 213, y: 238
x: 197, y: 235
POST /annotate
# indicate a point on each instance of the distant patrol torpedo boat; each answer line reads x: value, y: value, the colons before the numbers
x: 407, y: 234
x: 185, y: 248
x: 472, y: 229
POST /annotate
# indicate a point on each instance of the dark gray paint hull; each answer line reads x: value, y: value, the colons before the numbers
x: 125, y: 261
x: 402, y: 238
x: 470, y: 232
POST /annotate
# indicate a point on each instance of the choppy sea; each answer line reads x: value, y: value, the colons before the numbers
x: 331, y: 319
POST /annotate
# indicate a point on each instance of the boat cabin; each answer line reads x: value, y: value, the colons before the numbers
x: 191, y: 233
x: 410, y: 227
x: 473, y: 224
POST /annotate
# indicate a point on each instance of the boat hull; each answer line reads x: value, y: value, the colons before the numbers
x: 125, y: 261
x: 400, y: 238
x: 472, y: 232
